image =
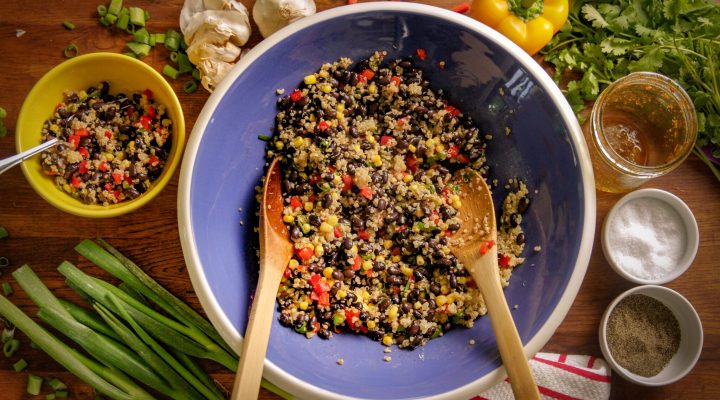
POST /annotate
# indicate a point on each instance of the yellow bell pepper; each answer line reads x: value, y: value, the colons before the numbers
x: 529, y: 23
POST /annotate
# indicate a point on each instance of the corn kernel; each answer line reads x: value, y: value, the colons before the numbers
x: 396, y: 259
x: 298, y: 142
x: 387, y: 244
x: 407, y: 178
x: 335, y: 195
x: 327, y: 272
x: 340, y: 108
x: 325, y: 227
x: 323, y: 73
x: 376, y: 160
x: 341, y: 294
x: 387, y: 340
x: 366, y: 265
x: 279, y: 145
x: 306, y: 227
x: 444, y: 289
x: 303, y: 305
x: 82, y: 94
x: 337, y: 180
x: 370, y: 139
x: 332, y: 220
x: 365, y: 295
x: 392, y: 311
x: 440, y: 300
x: 371, y: 324
x: 461, y: 280
x: 380, y: 258
x: 310, y: 80
x: 451, y: 298
x: 319, y: 250
x: 439, y: 148
x: 407, y: 271
x: 326, y: 88
x: 411, y: 148
x: 293, y: 264
x: 457, y: 203
x: 288, y: 218
x: 353, y: 250
x: 109, y: 156
x: 372, y: 89
x: 414, y: 187
x: 340, y: 115
x: 309, y: 205
x: 418, y: 305
x: 420, y: 260
x: 54, y: 128
x: 419, y: 213
x: 430, y: 143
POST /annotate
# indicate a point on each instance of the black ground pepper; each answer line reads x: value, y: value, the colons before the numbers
x: 643, y: 335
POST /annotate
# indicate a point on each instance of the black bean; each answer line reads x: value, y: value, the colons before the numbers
x: 435, y: 288
x: 406, y: 307
x: 336, y: 274
x: 414, y: 328
x: 285, y: 320
x: 295, y: 232
x: 520, y: 239
x: 347, y: 243
x: 349, y: 274
x: 323, y: 333
x: 314, y: 220
x: 515, y: 219
x: 523, y: 205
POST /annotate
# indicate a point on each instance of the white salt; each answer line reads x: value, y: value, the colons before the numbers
x: 647, y: 238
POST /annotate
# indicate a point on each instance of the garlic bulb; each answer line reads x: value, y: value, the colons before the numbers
x: 271, y: 15
x: 215, y: 31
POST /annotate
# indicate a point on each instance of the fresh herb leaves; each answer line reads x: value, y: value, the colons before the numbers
x: 603, y: 41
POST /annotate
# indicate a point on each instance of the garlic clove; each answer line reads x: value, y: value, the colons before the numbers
x: 272, y: 15
x: 235, y: 24
x: 201, y: 50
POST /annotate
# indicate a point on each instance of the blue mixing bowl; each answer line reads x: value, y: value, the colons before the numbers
x: 487, y: 77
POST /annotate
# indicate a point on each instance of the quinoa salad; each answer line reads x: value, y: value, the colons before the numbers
x: 112, y: 147
x: 367, y: 153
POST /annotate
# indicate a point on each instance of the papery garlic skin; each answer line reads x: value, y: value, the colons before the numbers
x: 271, y: 15
x: 215, y: 31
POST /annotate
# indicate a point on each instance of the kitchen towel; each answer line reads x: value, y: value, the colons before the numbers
x: 562, y: 377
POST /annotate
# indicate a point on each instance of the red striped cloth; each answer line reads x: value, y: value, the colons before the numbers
x: 561, y: 377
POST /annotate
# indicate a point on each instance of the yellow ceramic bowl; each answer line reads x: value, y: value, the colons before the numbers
x: 125, y: 74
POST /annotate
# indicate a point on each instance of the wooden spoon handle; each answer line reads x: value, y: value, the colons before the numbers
x: 506, y: 334
x: 257, y: 335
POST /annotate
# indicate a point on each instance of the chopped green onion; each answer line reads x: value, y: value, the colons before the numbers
x: 3, y: 231
x: 140, y: 49
x: 4, y: 262
x: 61, y: 394
x: 7, y: 289
x: 71, y: 51
x: 123, y: 20
x: 56, y: 384
x: 196, y: 74
x: 190, y: 87
x: 68, y: 25
x: 172, y: 40
x: 130, y: 54
x: 102, y: 10
x: 174, y: 56
x: 170, y: 71
x: 183, y: 44
x: 130, y: 28
x: 147, y: 15
x: 10, y: 347
x: 115, y: 6
x: 159, y: 37
x: 184, y: 64
x: 34, y: 384
x: 20, y: 365
x: 265, y: 138
x: 3, y: 129
x: 142, y: 36
x: 7, y: 334
x: 50, y: 396
x: 104, y: 21
x: 137, y: 16
x: 110, y: 18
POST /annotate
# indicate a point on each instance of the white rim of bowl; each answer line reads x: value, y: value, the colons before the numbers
x: 686, y: 215
x: 223, y: 324
x: 646, y: 290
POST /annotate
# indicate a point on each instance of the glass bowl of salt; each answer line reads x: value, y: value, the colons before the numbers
x: 650, y: 237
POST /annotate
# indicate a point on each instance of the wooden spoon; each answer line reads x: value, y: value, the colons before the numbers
x: 478, y: 228
x: 275, y: 252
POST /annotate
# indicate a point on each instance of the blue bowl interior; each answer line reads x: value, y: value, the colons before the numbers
x: 481, y: 79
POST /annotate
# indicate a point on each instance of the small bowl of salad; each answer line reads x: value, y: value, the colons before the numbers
x: 120, y: 131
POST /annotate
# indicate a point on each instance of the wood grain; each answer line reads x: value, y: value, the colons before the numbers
x: 42, y: 236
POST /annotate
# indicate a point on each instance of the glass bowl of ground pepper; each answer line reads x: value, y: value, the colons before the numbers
x: 121, y: 134
x: 651, y: 335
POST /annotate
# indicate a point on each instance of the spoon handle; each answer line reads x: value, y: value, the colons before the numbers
x: 506, y: 334
x: 7, y: 163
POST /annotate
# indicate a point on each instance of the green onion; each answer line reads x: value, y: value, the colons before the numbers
x: 123, y: 20
x: 3, y: 232
x: 104, y: 21
x: 34, y: 384
x: 196, y: 74
x: 88, y: 318
x: 71, y: 51
x: 3, y: 114
x: 110, y: 18
x: 140, y: 49
x: 102, y: 10
x: 137, y: 16
x: 10, y: 347
x: 184, y: 64
x: 130, y: 54
x: 142, y: 36
x: 4, y: 262
x: 174, y: 56
x: 56, y: 384
x: 50, y: 396
x: 20, y: 365
x: 265, y: 138
x: 3, y: 129
x: 68, y: 25
x: 172, y: 40
x: 7, y: 334
x: 115, y: 6
x: 159, y: 37
x: 61, y: 394
x: 147, y: 15
x: 190, y: 87
x: 7, y: 289
x: 170, y: 71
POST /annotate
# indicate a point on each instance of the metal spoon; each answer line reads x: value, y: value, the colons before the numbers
x: 275, y: 252
x: 478, y: 228
x: 7, y: 163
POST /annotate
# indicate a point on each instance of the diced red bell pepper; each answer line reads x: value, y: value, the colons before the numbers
x: 75, y: 181
x: 385, y: 139
x: 402, y: 121
x: 296, y: 95
x: 117, y: 177
x: 357, y: 261
x: 366, y: 192
x: 366, y: 75
x: 347, y: 182
x: 103, y: 167
x: 486, y: 246
x: 305, y: 253
x: 453, y: 151
x: 83, y: 167
x: 108, y: 134
x: 315, y: 179
x: 84, y: 152
x: 82, y: 132
x: 461, y: 8
x: 362, y: 234
x: 337, y: 232
x: 462, y: 158
x: 411, y: 163
x: 108, y: 186
x: 421, y: 53
x: 504, y: 261
x: 287, y: 272
x: 145, y: 121
x: 352, y: 317
x: 153, y: 161
x: 402, y: 228
x: 323, y: 125
x: 452, y: 110
x: 295, y: 202
x: 74, y: 141
x: 148, y: 93
x: 117, y: 193
x: 331, y: 169
x: 395, y: 80
x: 150, y: 112
x: 314, y: 279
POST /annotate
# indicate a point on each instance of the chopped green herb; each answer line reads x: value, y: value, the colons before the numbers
x: 71, y: 51
x: 68, y: 25
x: 115, y: 6
x: 20, y: 365
x: 265, y: 138
x: 57, y: 384
x: 34, y: 384
x: 10, y: 347
x: 7, y: 289
x: 170, y: 71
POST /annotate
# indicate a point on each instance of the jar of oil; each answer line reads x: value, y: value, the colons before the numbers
x: 642, y: 126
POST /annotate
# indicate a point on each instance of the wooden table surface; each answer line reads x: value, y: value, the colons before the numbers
x: 42, y: 236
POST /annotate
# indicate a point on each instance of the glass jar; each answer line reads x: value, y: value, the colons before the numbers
x: 642, y: 126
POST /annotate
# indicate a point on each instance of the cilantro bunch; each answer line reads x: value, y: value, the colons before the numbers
x: 606, y: 40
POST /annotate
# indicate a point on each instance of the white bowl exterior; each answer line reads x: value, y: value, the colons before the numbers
x: 210, y: 304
